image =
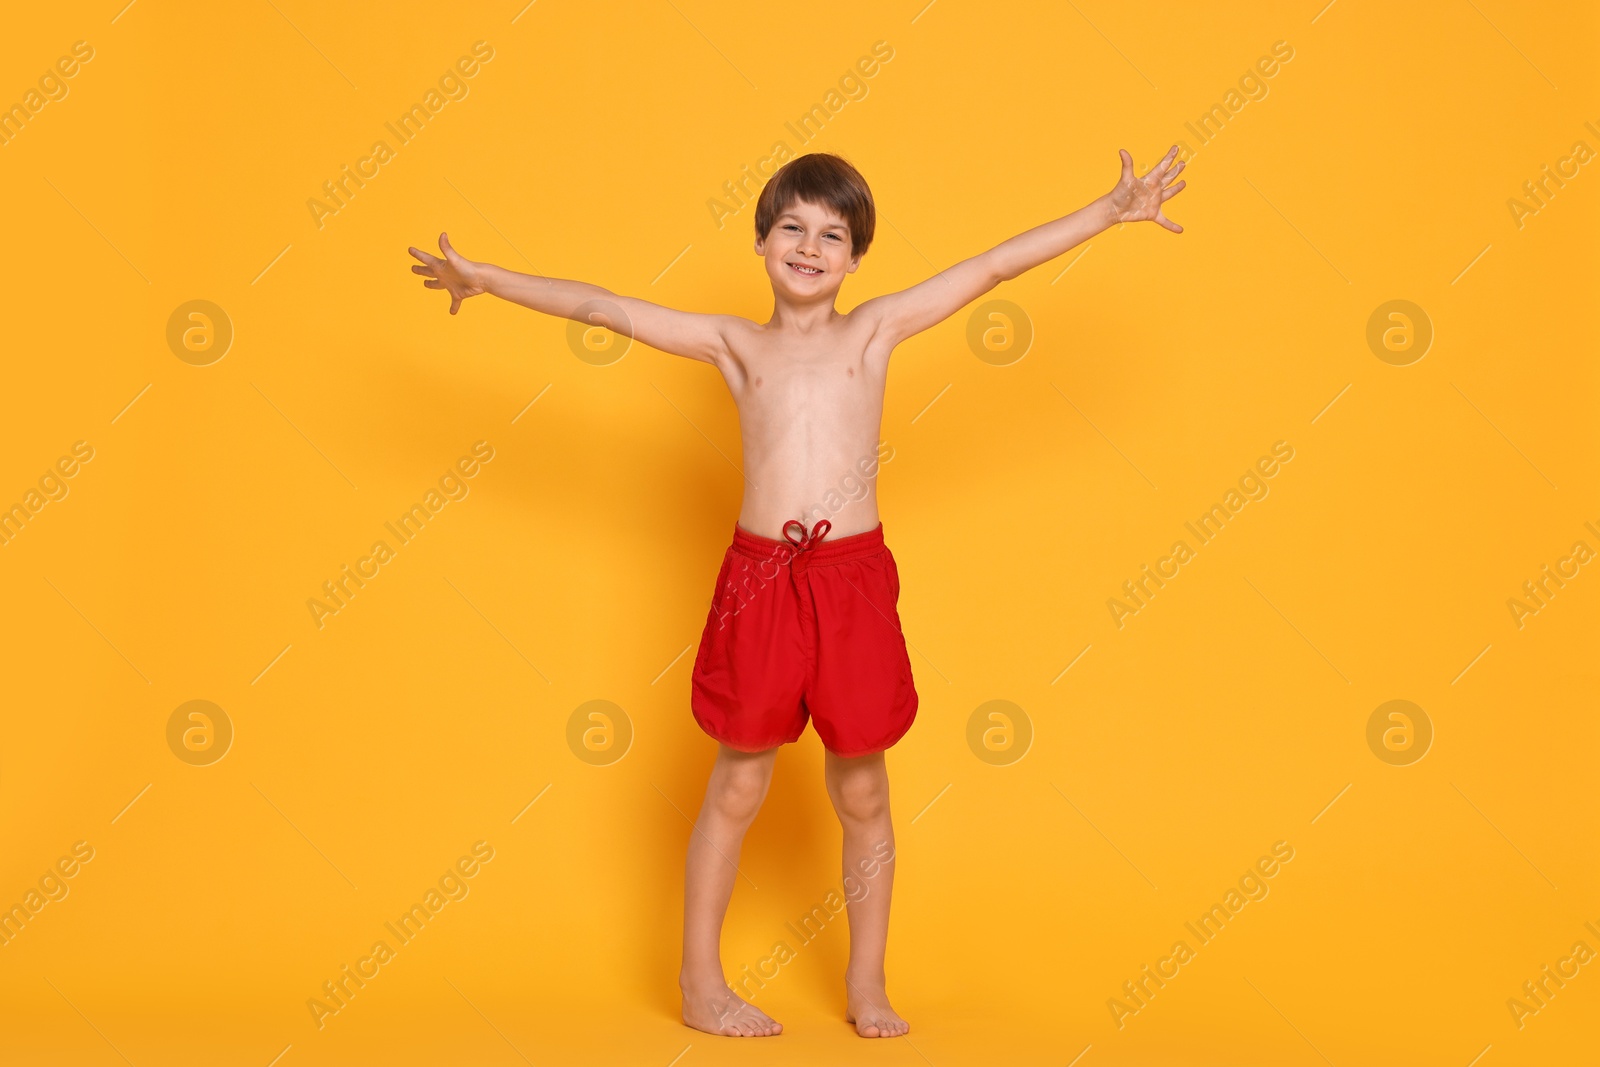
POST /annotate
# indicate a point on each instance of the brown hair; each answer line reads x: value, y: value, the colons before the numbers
x: 820, y: 178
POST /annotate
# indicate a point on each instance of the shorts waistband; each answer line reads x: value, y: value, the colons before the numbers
x: 817, y: 552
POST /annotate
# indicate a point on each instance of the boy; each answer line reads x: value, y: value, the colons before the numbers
x: 806, y: 625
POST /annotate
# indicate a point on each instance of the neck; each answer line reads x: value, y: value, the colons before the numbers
x: 801, y: 317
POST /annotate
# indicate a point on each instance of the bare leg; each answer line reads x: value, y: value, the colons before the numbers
x: 860, y: 791
x: 734, y: 793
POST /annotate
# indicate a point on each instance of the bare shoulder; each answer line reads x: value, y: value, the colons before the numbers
x: 738, y: 329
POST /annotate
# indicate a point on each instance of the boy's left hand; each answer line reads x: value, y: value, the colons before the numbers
x: 1138, y: 199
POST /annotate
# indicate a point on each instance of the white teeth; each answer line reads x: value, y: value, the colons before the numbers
x: 805, y: 270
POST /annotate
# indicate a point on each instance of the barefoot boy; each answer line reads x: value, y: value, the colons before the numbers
x: 803, y: 620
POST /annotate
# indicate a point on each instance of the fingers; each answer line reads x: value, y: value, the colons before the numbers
x: 433, y: 283
x: 1168, y: 223
x: 444, y: 243
x: 455, y: 303
x: 1127, y: 164
x: 1166, y: 194
x: 427, y: 271
x: 423, y: 255
x: 1166, y: 161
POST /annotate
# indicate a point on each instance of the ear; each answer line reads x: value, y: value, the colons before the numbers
x: 761, y: 246
x: 855, y: 261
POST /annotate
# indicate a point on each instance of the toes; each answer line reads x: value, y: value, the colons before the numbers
x: 752, y: 1022
x: 882, y: 1027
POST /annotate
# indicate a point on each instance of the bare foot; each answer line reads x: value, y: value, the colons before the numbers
x: 713, y: 1007
x: 867, y: 1005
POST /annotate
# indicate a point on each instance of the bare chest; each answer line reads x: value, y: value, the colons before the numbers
x: 811, y: 375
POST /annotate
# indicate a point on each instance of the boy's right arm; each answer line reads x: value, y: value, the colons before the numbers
x: 681, y: 333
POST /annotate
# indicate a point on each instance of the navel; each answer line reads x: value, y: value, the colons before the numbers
x: 758, y: 382
x: 850, y: 371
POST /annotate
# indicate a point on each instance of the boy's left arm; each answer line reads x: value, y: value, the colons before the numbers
x: 910, y: 311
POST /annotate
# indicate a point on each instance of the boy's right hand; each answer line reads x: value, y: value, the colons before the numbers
x: 454, y: 273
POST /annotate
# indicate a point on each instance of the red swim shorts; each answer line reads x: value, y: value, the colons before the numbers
x: 805, y: 627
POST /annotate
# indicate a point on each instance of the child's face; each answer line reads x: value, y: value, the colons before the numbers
x: 807, y: 251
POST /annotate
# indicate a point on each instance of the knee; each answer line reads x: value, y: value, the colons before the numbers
x: 861, y: 798
x: 738, y: 796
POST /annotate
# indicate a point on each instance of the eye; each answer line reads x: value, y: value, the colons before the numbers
x: 835, y: 236
x: 790, y: 226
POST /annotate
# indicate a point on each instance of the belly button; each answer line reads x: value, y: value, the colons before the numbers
x: 758, y: 383
x: 850, y: 371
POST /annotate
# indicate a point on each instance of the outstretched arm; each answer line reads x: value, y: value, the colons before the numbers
x: 910, y: 311
x: 682, y: 333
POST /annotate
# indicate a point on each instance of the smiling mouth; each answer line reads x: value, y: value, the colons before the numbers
x: 808, y: 272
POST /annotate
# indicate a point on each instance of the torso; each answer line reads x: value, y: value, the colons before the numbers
x: 810, y: 411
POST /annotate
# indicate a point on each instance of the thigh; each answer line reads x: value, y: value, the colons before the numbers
x: 861, y: 693
x: 750, y: 671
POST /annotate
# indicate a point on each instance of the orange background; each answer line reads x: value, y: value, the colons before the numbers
x: 1230, y: 713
